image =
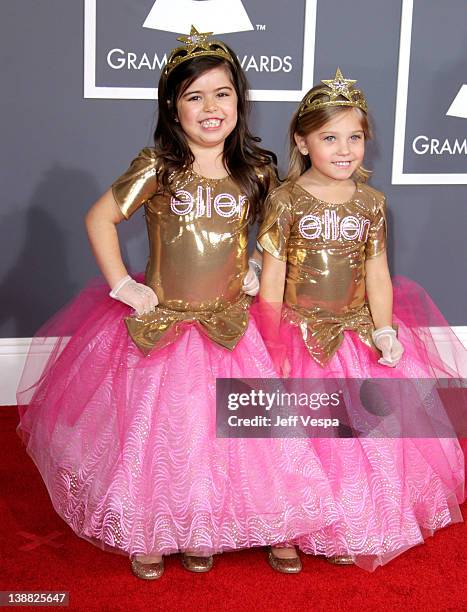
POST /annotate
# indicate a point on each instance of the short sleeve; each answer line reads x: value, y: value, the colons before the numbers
x: 274, y: 232
x: 268, y: 176
x: 377, y: 235
x: 138, y: 184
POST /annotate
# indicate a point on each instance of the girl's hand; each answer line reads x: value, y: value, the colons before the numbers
x: 385, y: 339
x: 140, y: 297
x: 251, y: 281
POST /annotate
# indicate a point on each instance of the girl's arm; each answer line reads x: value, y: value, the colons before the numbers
x: 379, y: 290
x: 271, y: 295
x: 251, y: 280
x: 272, y: 280
x: 101, y: 221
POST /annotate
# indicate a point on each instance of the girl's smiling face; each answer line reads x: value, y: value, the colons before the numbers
x: 337, y: 148
x: 207, y: 109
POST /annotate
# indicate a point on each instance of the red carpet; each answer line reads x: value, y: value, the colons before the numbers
x: 40, y: 552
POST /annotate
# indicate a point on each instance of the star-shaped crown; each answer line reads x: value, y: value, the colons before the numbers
x: 197, y: 44
x: 338, y: 92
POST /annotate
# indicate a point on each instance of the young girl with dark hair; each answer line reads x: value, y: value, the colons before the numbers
x: 121, y: 423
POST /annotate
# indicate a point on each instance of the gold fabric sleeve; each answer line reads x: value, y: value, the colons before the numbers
x: 268, y: 171
x: 273, y: 235
x: 138, y: 184
x: 377, y: 235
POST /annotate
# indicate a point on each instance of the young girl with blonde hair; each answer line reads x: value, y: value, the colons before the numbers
x: 328, y: 296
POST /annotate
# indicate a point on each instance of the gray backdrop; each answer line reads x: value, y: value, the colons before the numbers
x: 60, y: 150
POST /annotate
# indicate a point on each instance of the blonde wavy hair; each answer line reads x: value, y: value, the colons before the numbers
x: 311, y: 121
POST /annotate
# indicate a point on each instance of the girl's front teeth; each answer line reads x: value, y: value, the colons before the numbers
x: 341, y: 163
x: 211, y: 123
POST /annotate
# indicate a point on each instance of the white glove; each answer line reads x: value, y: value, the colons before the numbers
x: 140, y: 297
x: 385, y: 339
x: 251, y: 281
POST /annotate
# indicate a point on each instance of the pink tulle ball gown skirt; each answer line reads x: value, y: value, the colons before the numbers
x: 127, y: 447
x: 389, y: 493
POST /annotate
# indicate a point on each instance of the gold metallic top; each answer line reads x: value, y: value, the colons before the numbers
x: 197, y: 44
x: 198, y: 252
x: 325, y: 246
x: 338, y: 92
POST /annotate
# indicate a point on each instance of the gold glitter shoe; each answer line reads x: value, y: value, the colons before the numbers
x: 285, y: 566
x: 147, y: 571
x: 193, y: 563
x: 341, y: 560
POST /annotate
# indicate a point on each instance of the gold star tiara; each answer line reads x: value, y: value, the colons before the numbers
x: 196, y: 44
x: 336, y: 88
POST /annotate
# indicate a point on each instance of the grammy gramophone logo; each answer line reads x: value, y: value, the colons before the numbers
x: 430, y: 131
x: 219, y: 16
x: 126, y: 43
x: 458, y: 107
